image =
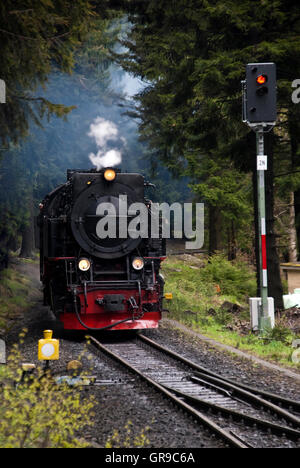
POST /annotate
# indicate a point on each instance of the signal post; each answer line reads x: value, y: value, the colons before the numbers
x: 262, y: 162
x: 259, y: 113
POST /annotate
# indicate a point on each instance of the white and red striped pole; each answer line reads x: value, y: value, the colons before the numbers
x: 263, y: 237
x: 262, y: 166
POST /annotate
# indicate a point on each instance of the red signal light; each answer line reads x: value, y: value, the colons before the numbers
x: 261, y: 79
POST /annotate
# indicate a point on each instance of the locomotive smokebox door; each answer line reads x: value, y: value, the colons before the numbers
x: 114, y: 302
x: 90, y: 192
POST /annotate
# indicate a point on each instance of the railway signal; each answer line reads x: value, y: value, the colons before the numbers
x: 48, y: 348
x: 260, y: 113
x: 260, y: 93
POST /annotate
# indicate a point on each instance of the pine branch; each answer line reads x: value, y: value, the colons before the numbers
x: 287, y: 173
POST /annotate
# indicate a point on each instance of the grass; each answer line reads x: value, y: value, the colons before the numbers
x: 14, y: 300
x: 200, y: 288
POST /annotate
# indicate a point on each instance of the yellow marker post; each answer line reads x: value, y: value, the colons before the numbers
x: 48, y: 349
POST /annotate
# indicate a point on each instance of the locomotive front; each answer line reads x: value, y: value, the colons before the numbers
x: 100, y: 266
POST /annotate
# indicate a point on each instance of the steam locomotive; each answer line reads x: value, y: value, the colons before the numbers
x: 91, y: 281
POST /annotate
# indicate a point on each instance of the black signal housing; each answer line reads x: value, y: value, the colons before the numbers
x: 261, y: 93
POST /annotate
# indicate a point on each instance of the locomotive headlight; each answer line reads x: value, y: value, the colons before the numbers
x: 84, y: 264
x: 109, y: 175
x: 138, y: 263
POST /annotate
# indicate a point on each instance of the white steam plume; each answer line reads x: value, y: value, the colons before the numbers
x: 109, y: 159
x: 105, y: 131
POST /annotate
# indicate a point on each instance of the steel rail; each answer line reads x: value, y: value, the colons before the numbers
x: 295, y: 434
x: 200, y: 417
x: 277, y: 399
x: 245, y: 390
x: 254, y: 398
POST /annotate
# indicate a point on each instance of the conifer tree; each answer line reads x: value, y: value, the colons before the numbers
x: 39, y: 39
x: 193, y: 54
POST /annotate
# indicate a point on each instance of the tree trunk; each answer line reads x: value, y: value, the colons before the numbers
x: 294, y: 131
x: 231, y: 242
x: 215, y: 230
x: 275, y: 289
x: 27, y: 247
x: 297, y: 218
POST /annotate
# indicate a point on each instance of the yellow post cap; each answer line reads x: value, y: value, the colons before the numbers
x: 48, y: 334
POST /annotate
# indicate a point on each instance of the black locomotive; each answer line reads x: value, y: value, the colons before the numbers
x: 97, y: 282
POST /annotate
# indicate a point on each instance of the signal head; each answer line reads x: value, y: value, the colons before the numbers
x: 260, y: 93
x: 262, y: 79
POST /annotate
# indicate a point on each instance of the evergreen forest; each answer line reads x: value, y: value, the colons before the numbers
x: 167, y: 75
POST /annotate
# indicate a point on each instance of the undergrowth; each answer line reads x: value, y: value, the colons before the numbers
x: 35, y: 412
x: 127, y: 437
x: 201, y: 287
x: 14, y: 291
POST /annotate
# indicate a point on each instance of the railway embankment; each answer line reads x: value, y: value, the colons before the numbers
x: 212, y: 298
x: 123, y: 415
x: 19, y: 289
x: 204, y: 303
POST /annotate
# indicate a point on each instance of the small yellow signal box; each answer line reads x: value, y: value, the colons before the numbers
x: 168, y: 296
x: 48, y: 349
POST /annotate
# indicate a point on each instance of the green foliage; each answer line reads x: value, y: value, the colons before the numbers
x: 189, y: 291
x: 234, y: 278
x: 37, y: 413
x: 195, y: 283
x: 279, y: 333
x: 193, y: 56
x: 222, y: 316
x: 128, y: 438
x: 33, y: 39
x: 200, y: 288
x: 14, y: 299
x: 61, y: 39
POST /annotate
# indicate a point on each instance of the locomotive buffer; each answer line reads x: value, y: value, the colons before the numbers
x: 260, y: 114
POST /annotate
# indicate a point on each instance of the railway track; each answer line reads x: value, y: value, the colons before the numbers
x: 241, y: 416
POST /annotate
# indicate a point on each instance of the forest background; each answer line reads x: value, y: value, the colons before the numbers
x: 168, y: 75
